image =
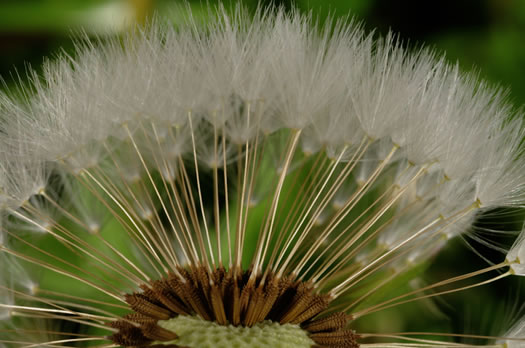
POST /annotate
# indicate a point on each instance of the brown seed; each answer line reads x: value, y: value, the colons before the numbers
x: 345, y: 338
x: 157, y: 333
x: 332, y: 322
x: 140, y: 304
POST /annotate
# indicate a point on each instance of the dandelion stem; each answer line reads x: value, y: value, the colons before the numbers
x: 199, y: 191
x: 267, y: 233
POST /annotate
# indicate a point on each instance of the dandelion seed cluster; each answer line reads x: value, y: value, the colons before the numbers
x: 253, y: 181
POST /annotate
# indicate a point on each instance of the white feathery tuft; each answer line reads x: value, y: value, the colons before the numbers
x: 515, y: 335
x: 516, y: 255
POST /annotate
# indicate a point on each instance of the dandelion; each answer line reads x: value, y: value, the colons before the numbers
x: 264, y: 182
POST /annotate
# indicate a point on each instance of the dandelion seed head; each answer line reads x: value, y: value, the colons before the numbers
x: 256, y: 173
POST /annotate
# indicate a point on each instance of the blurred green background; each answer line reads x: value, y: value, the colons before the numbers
x: 485, y: 36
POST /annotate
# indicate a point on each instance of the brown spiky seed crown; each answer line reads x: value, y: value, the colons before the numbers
x: 229, y: 297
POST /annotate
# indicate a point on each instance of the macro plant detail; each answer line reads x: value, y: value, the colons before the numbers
x: 264, y: 182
